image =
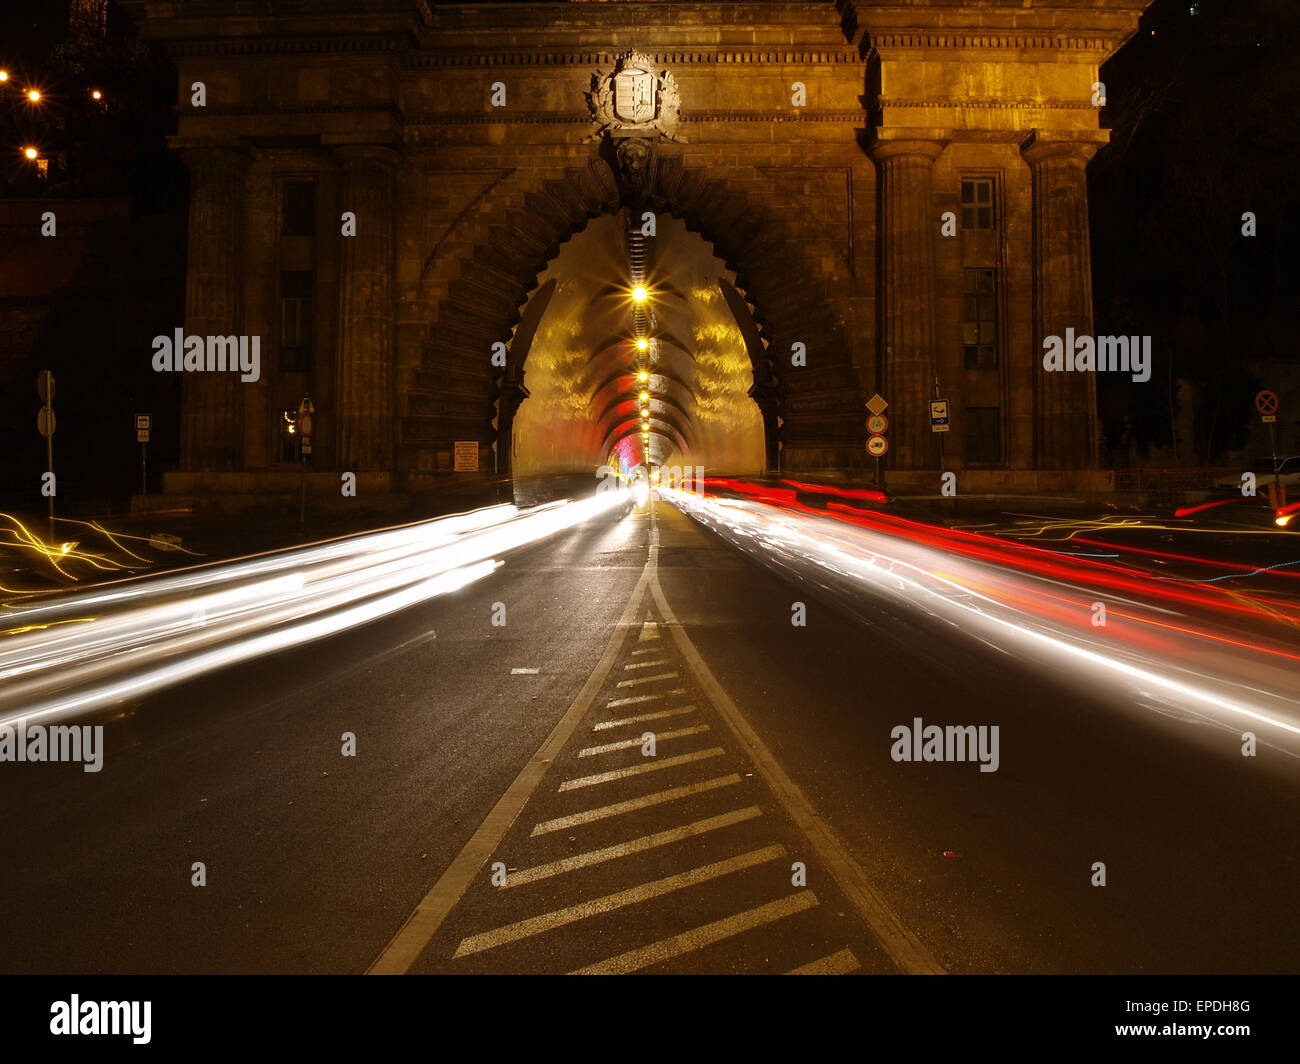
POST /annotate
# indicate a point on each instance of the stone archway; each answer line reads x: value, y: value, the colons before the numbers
x: 815, y: 412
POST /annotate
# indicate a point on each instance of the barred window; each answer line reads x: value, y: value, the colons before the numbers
x: 298, y: 208
x: 296, y: 311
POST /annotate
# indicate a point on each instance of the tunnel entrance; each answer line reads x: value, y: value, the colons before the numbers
x: 632, y: 352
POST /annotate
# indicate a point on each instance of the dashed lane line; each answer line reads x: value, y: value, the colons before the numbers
x: 700, y: 937
x: 657, y: 888
x: 637, y: 770
x: 626, y: 744
x: 641, y: 718
x: 420, y: 927
x: 644, y: 664
x: 625, y: 849
x: 633, y: 804
x: 904, y: 948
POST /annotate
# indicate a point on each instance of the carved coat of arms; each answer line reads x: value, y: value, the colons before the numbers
x: 634, y: 99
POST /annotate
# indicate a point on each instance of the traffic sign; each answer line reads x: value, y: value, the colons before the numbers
x: 876, y: 404
x: 142, y: 422
x: 142, y: 435
x: 938, y: 415
x: 877, y: 445
x: 1266, y: 402
x: 1268, y: 419
x: 45, y: 386
x: 877, y: 423
x: 45, y: 422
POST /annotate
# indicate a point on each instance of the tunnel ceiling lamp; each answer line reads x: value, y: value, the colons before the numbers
x: 645, y: 397
x: 642, y: 344
x: 643, y: 376
x: 639, y: 294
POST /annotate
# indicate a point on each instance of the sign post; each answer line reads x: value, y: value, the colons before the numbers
x: 45, y: 425
x: 142, y: 423
x: 305, y: 411
x: 939, y: 418
x: 877, y: 426
x: 1266, y: 403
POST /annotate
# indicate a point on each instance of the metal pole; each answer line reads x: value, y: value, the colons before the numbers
x: 49, y: 464
x: 302, y: 505
x: 144, y: 475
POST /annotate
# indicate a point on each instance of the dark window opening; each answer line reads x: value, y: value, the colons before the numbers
x: 977, y: 203
x: 980, y: 318
x: 983, y: 435
x: 298, y: 208
x: 296, y: 309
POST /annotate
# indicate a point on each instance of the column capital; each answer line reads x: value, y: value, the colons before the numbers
x: 890, y: 142
x: 1077, y: 144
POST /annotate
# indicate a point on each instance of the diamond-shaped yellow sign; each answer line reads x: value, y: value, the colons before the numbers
x: 876, y: 404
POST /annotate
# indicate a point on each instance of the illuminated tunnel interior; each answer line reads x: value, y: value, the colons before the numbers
x: 636, y: 357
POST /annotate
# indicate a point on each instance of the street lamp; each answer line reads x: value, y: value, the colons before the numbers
x: 30, y: 153
x: 642, y: 343
x: 643, y: 376
x: 34, y: 95
x: 639, y: 294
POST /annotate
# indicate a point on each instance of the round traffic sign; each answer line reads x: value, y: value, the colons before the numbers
x: 1266, y: 402
x: 877, y: 445
x: 45, y: 422
x: 877, y: 423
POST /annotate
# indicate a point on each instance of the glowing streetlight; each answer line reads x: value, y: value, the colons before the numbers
x: 644, y: 397
x: 4, y: 76
x: 34, y: 95
x: 642, y: 344
x: 639, y: 294
x: 95, y: 94
x: 30, y: 153
x: 643, y: 376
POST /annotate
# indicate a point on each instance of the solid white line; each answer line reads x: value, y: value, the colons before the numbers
x: 420, y: 927
x: 637, y: 770
x: 618, y: 808
x: 625, y: 744
x: 700, y: 937
x: 623, y: 849
x: 842, y: 963
x: 659, y: 887
x: 647, y: 679
x: 642, y: 698
x: 645, y: 664
x: 641, y: 718
x: 906, y: 950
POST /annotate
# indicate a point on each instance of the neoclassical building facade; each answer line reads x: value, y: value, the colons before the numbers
x: 899, y: 189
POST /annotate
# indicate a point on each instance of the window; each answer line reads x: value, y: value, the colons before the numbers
x: 979, y: 301
x: 296, y: 309
x: 298, y: 208
x: 983, y: 435
x: 977, y: 203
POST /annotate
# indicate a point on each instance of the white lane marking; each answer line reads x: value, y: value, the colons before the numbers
x: 842, y: 963
x: 523, y: 672
x: 906, y: 950
x: 645, y: 664
x: 646, y: 650
x: 642, y: 698
x: 420, y: 927
x: 641, y: 718
x: 636, y: 770
x: 633, y: 804
x: 655, y: 889
x: 647, y: 679
x: 700, y: 937
x: 626, y: 744
x: 623, y: 849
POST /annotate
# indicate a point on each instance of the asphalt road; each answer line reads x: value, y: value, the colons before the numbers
x: 769, y: 830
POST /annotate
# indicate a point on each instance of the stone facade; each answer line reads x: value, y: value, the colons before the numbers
x: 818, y: 148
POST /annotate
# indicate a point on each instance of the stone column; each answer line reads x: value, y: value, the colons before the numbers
x: 1065, y: 404
x: 212, y: 431
x: 907, y: 293
x: 364, y: 395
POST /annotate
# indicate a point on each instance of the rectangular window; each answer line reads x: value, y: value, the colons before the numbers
x: 979, y: 301
x: 983, y: 435
x: 298, y: 208
x: 296, y: 310
x: 977, y: 203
